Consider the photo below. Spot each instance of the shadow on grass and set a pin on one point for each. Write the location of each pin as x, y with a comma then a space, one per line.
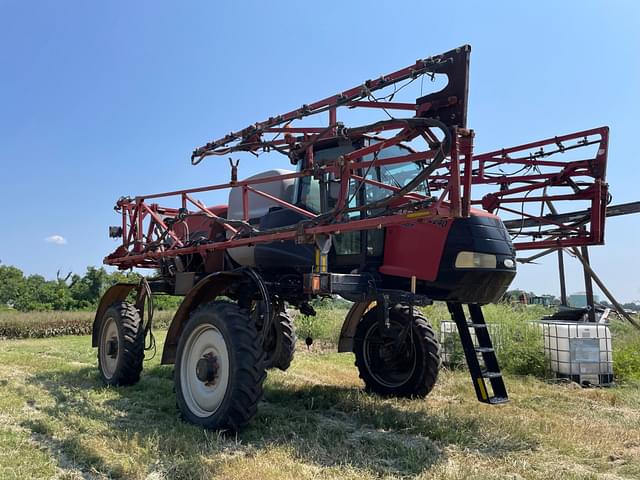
328, 426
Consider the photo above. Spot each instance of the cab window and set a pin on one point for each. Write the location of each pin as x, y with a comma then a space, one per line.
398, 175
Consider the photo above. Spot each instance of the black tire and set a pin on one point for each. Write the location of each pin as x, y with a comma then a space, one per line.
280, 344
121, 345
234, 345
409, 369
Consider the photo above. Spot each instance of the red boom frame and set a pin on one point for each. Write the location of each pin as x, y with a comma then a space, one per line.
546, 178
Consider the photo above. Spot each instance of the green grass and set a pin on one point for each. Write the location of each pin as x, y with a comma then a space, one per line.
58, 421
517, 338
518, 341
324, 327
626, 351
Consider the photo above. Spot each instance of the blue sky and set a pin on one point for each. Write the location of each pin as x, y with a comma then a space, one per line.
103, 99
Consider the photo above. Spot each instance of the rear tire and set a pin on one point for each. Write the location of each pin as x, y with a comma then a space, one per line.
219, 368
280, 344
121, 345
409, 369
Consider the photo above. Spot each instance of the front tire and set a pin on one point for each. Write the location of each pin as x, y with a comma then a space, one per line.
408, 368
219, 368
121, 345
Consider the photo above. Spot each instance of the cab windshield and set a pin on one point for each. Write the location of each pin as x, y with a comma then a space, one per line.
398, 175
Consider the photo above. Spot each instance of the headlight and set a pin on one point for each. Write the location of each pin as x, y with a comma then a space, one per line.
475, 260
509, 263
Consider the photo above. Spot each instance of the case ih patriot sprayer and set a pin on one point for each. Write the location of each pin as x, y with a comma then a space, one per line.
381, 214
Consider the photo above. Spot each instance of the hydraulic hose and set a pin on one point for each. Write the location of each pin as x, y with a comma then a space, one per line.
443, 151
440, 156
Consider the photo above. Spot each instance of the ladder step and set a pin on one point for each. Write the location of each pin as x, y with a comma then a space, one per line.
484, 349
477, 325
498, 400
483, 365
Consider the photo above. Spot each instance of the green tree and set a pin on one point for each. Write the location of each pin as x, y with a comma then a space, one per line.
73, 292
87, 290
35, 295
11, 284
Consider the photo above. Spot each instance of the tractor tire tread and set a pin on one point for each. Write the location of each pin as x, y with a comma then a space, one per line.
132, 333
246, 379
283, 356
425, 377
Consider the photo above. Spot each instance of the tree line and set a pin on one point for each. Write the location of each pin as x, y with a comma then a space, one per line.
68, 292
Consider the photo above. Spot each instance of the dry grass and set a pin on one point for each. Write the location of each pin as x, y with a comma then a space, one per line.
56, 420
14, 324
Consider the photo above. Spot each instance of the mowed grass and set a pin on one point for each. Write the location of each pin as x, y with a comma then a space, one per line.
58, 421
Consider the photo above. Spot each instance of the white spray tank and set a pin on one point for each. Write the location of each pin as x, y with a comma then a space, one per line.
258, 207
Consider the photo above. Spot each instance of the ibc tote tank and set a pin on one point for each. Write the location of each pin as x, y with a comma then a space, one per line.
579, 351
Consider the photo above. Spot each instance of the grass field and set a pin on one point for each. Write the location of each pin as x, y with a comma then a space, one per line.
56, 420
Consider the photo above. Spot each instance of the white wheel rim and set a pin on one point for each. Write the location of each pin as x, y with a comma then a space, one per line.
109, 333
204, 398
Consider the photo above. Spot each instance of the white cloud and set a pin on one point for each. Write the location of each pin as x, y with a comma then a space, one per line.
57, 239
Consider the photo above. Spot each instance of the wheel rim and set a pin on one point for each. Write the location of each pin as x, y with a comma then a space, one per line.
203, 396
109, 347
390, 365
